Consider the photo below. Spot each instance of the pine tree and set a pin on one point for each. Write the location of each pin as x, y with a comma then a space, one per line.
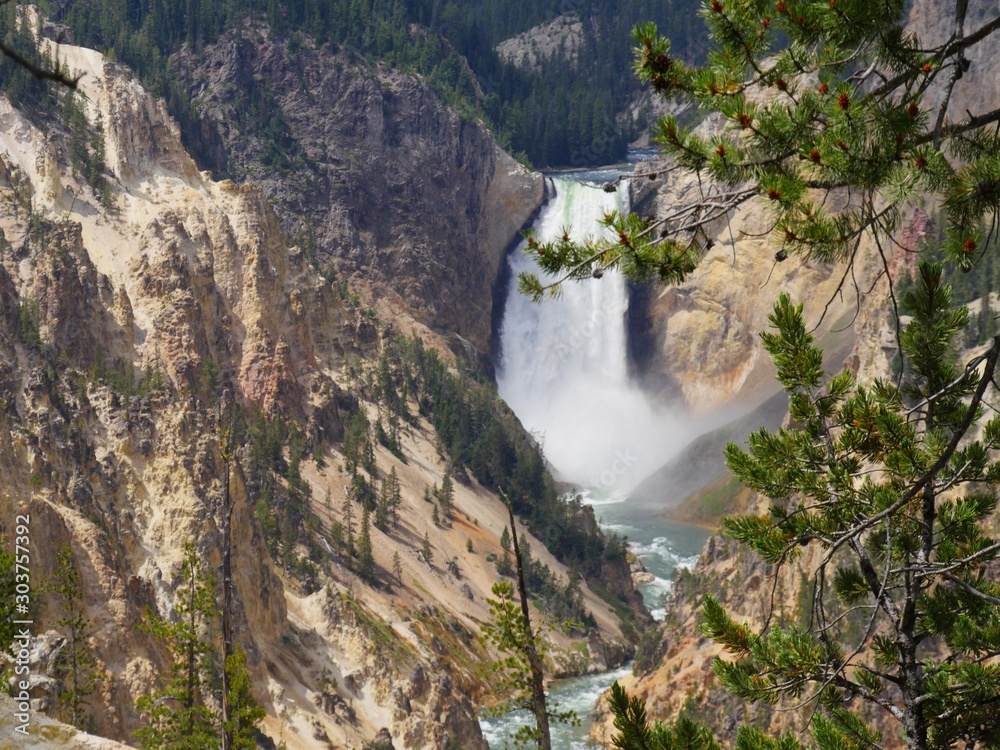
504, 565
383, 505
366, 559
395, 496
446, 497
893, 484
361, 490
368, 458
425, 549
177, 716
397, 567
818, 98
348, 511
355, 440
76, 663
636, 733
522, 649
245, 714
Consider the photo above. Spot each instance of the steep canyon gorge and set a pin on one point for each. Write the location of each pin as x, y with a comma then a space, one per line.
126, 316
297, 284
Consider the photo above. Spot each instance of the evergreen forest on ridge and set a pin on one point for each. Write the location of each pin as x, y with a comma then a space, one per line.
551, 117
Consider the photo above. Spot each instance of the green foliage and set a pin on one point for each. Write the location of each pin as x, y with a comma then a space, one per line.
176, 716
244, 712
553, 115
22, 88
29, 324
366, 559
479, 433
357, 443
817, 99
86, 147
508, 632
282, 496
446, 497
181, 715
648, 652
563, 603
76, 663
397, 567
892, 482
121, 376
636, 733
208, 379
390, 498
348, 511
426, 552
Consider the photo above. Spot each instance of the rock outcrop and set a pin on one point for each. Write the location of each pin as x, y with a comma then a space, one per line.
560, 37
42, 733
413, 203
705, 348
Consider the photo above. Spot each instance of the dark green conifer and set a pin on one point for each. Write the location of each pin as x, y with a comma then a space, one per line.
894, 486
176, 716
245, 713
76, 664
366, 560
425, 549
446, 497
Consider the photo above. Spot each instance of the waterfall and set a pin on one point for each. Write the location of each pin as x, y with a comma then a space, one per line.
563, 365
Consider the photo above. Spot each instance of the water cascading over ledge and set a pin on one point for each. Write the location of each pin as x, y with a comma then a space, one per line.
563, 363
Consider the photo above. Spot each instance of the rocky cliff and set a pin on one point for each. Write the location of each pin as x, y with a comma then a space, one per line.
705, 349
561, 37
125, 314
413, 203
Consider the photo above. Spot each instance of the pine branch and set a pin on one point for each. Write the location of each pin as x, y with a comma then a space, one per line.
960, 431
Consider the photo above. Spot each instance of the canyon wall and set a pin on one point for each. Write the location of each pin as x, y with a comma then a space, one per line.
123, 314
412, 202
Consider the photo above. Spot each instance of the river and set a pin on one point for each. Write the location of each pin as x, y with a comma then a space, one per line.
663, 546
563, 368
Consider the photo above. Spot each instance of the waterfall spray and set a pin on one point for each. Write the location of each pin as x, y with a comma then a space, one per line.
563, 364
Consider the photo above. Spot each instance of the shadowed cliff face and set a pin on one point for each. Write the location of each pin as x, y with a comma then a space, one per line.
399, 191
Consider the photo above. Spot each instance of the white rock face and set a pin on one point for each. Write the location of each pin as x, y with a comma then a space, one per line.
529, 50
39, 732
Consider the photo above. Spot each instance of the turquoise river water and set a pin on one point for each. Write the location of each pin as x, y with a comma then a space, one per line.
663, 546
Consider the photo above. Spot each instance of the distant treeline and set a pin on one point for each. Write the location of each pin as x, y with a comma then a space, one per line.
565, 114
